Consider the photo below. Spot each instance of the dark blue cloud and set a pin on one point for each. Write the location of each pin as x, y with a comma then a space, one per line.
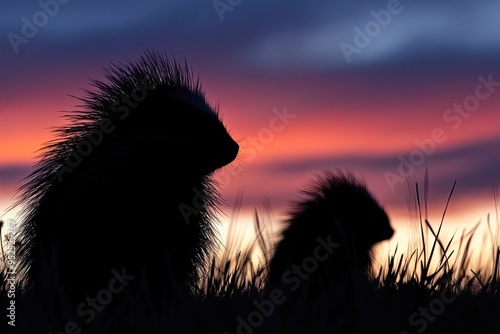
12, 175
262, 40
475, 167
265, 35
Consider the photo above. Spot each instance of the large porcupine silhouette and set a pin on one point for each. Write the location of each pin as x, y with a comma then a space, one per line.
323, 259
136, 161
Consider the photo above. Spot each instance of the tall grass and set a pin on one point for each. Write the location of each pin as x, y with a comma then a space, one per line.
443, 277
431, 261
407, 282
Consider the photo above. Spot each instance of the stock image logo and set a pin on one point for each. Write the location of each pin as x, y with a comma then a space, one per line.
31, 25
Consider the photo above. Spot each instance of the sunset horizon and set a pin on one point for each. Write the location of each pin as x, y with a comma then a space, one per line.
404, 95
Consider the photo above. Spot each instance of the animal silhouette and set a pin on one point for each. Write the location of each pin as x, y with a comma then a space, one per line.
325, 252
134, 162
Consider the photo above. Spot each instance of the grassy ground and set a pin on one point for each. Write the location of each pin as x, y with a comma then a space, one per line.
432, 287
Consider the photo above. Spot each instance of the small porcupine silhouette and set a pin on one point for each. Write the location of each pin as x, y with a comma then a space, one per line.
341, 216
140, 155
323, 259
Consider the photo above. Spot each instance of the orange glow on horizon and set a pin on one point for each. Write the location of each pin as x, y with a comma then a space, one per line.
327, 125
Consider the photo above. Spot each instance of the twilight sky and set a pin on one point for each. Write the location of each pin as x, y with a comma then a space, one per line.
366, 86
